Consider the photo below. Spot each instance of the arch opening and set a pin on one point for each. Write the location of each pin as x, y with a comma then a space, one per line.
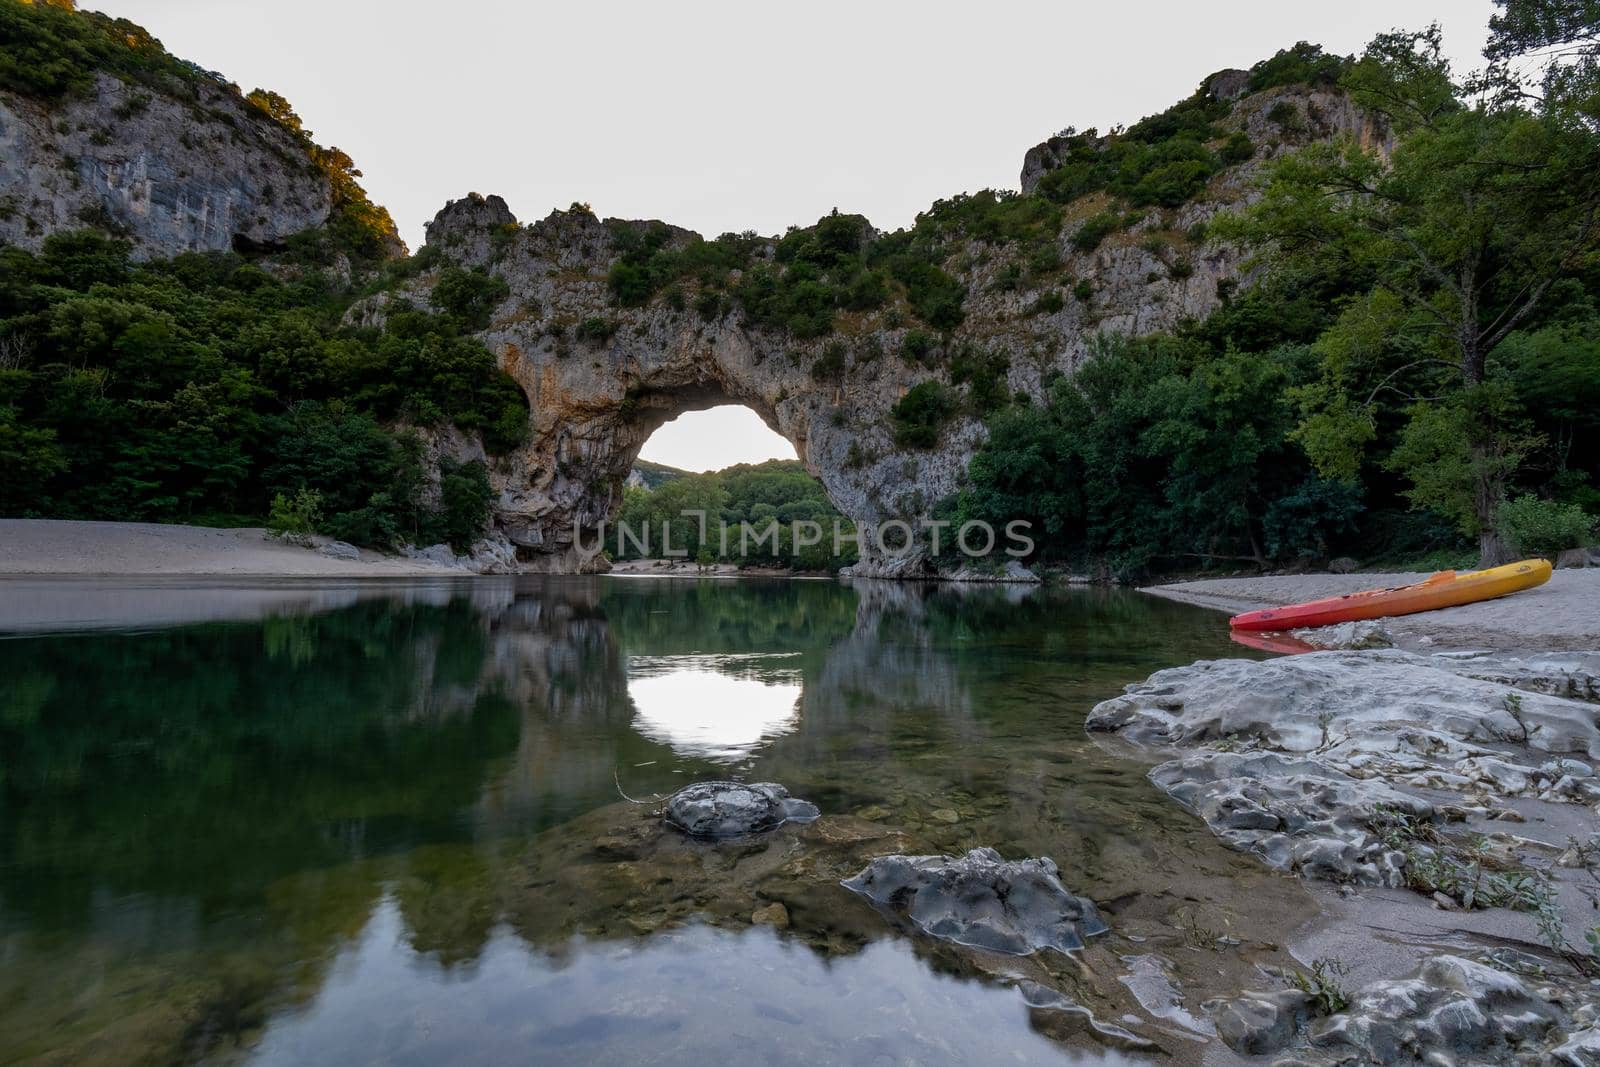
713, 438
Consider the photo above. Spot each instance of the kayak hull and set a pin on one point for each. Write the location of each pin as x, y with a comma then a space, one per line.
1447, 589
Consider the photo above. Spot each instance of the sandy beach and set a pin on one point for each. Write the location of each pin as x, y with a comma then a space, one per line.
144, 549
1561, 615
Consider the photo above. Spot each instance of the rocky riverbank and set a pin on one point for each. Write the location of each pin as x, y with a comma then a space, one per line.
1443, 806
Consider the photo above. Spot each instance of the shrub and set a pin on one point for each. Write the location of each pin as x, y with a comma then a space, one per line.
1544, 527
921, 413
918, 345
830, 365
1048, 303
1304, 64
295, 519
1237, 148
1084, 290
1286, 116
469, 295
1096, 229
595, 330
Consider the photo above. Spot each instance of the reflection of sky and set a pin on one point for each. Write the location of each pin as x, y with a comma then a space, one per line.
720, 708
697, 995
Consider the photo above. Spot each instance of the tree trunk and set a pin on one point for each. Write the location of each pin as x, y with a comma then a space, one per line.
1492, 551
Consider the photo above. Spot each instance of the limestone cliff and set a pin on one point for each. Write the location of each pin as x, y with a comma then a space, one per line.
172, 175
600, 378
101, 128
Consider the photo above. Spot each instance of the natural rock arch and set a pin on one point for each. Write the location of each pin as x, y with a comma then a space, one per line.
600, 378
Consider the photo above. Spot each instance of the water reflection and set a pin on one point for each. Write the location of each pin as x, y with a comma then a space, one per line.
718, 708
382, 824
694, 995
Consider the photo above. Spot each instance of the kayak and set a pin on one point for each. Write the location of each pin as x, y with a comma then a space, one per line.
1446, 589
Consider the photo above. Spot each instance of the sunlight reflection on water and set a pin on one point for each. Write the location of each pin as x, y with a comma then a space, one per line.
719, 708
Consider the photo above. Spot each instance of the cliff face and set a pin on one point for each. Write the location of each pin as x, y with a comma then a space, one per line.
601, 378
204, 171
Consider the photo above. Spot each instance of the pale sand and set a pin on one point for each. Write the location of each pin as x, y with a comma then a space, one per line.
145, 549
1561, 615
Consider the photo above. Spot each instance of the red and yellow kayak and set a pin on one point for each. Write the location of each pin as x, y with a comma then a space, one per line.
1446, 589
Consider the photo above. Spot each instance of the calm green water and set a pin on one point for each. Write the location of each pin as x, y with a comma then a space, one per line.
358, 824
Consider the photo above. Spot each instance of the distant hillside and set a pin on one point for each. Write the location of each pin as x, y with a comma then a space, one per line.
647, 475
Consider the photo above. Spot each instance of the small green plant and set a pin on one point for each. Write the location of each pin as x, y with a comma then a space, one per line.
595, 330
1048, 303
1322, 984
829, 367
1095, 229
1084, 290
918, 346
295, 519
1286, 117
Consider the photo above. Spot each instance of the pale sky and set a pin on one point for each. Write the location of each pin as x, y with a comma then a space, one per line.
725, 115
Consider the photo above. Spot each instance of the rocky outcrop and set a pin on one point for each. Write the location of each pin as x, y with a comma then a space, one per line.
732, 809
1297, 815
1480, 725
600, 378
192, 170
982, 901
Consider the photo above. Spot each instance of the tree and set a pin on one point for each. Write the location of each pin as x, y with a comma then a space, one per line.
1547, 52
1462, 231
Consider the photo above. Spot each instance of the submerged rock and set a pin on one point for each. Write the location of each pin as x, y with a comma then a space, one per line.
1297, 815
982, 901
729, 809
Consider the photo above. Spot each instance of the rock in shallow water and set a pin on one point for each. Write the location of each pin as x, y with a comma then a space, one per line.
729, 809
1296, 814
982, 901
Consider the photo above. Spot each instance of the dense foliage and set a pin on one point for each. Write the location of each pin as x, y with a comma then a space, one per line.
200, 388
1419, 367
776, 492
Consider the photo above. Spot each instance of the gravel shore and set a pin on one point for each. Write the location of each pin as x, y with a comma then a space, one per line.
147, 549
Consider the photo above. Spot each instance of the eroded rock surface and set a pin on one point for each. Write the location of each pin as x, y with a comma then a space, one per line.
1481, 725
197, 171
983, 901
1295, 814
732, 809
1453, 1010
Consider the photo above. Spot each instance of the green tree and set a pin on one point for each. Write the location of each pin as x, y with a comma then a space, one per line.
1462, 232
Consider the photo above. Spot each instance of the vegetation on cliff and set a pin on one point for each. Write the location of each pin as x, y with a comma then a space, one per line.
1427, 334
